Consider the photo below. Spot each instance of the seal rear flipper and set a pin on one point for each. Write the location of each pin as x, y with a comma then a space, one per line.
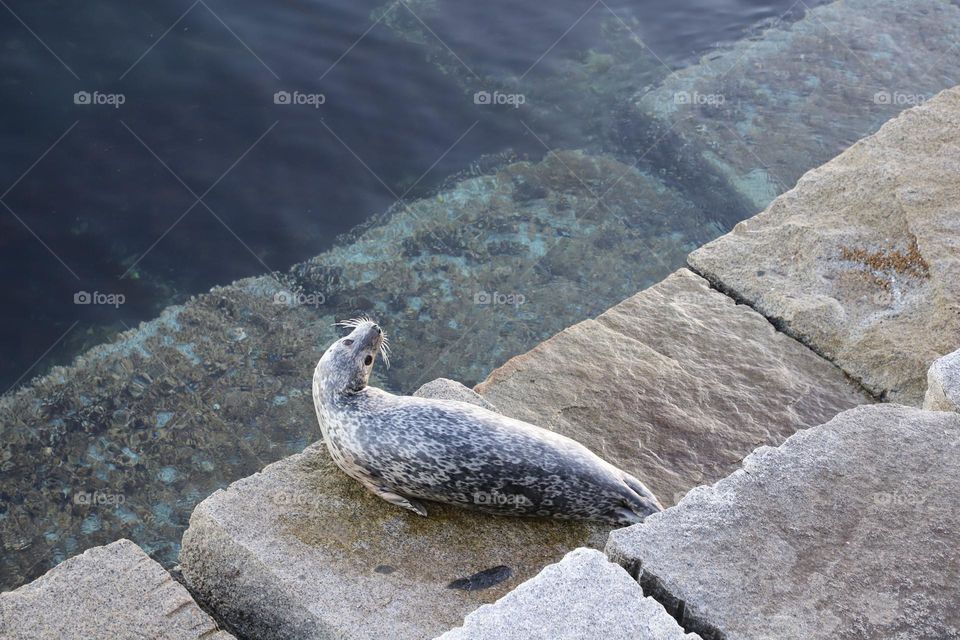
401, 501
638, 497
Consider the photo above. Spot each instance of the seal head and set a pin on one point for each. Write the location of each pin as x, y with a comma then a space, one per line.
346, 365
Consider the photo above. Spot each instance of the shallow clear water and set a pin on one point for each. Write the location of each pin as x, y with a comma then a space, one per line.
105, 199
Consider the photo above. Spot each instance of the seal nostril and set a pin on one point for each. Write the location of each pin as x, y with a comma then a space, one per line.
377, 328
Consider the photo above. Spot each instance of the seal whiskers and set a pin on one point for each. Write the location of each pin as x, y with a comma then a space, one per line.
406, 449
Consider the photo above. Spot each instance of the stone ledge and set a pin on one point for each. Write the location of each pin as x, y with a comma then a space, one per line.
674, 385
847, 530
584, 596
115, 591
859, 261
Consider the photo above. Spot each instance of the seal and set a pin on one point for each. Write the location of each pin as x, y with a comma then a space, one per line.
406, 449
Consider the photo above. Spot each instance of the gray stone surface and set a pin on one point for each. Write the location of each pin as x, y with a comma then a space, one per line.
861, 260
301, 551
582, 597
675, 385
847, 530
943, 384
773, 106
446, 389
114, 592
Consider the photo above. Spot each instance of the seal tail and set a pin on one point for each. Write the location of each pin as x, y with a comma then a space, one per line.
638, 498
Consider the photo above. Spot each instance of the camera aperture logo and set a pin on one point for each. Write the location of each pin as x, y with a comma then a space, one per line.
495, 498
109, 299
96, 498
97, 98
300, 299
497, 298
511, 99
298, 98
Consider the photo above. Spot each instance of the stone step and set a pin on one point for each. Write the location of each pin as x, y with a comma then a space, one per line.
860, 261
300, 550
582, 597
847, 530
674, 385
114, 592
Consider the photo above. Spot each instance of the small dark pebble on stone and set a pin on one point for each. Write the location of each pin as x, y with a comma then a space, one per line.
482, 579
384, 569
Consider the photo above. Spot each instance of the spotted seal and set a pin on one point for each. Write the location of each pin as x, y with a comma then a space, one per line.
406, 449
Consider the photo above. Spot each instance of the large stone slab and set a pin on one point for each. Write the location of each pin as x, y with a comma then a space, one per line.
943, 384
584, 596
675, 385
861, 260
115, 591
847, 530
769, 108
302, 551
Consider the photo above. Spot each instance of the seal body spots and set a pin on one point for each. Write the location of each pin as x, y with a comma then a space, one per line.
406, 449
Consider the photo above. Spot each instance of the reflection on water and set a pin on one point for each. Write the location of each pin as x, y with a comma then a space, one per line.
538, 187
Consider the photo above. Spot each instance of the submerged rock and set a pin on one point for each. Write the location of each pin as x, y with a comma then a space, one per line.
583, 596
769, 108
846, 531
115, 591
859, 261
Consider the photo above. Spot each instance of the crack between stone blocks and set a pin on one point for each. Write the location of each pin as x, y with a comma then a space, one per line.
676, 607
781, 327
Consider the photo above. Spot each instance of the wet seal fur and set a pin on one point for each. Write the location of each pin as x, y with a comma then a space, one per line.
406, 449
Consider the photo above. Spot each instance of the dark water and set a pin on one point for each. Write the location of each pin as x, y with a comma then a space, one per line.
199, 178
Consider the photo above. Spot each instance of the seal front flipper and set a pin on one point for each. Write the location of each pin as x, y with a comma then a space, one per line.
401, 501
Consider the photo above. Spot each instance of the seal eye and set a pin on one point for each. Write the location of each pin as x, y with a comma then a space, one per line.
348, 342
368, 360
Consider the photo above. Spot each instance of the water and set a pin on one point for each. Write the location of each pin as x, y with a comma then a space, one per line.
104, 200
115, 220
